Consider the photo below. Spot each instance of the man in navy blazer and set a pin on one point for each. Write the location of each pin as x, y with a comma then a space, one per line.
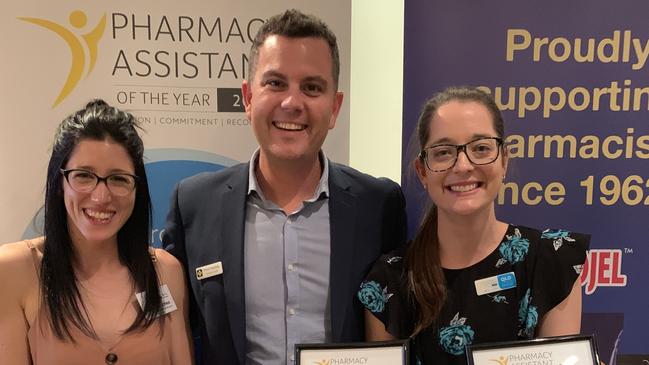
276, 248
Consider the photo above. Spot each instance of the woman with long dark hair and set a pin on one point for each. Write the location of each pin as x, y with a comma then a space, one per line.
468, 277
91, 290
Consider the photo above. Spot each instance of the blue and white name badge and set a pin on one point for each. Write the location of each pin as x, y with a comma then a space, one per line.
495, 283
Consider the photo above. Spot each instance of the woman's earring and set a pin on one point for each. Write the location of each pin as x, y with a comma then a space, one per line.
504, 177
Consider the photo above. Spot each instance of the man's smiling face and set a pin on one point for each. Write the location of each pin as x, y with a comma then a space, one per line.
292, 100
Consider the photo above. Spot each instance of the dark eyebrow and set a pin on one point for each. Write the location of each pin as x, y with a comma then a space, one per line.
111, 172
272, 73
446, 140
440, 141
317, 79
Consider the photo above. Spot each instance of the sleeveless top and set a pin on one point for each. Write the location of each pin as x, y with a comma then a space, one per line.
542, 267
150, 346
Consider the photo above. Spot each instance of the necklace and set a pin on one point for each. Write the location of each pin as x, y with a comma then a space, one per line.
107, 313
111, 358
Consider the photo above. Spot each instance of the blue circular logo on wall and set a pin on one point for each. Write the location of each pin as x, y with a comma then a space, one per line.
164, 169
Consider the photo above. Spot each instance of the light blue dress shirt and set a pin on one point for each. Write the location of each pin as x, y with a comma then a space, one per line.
286, 271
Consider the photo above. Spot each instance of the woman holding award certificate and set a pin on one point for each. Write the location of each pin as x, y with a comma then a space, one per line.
467, 277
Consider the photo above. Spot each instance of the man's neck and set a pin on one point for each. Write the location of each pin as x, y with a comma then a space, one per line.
288, 183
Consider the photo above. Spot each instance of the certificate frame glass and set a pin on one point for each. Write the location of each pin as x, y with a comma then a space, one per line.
383, 352
577, 350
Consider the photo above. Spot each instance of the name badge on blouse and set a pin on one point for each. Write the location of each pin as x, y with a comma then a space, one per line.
210, 270
168, 304
495, 283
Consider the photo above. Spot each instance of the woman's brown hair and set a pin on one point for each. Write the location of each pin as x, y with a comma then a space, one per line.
425, 276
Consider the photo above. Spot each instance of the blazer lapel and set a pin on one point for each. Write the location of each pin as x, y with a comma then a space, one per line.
233, 207
342, 220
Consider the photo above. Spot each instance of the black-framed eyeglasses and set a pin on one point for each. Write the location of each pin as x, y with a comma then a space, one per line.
84, 181
481, 151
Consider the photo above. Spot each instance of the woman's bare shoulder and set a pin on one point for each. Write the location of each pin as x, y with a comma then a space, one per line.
172, 274
167, 259
19, 253
17, 263
168, 263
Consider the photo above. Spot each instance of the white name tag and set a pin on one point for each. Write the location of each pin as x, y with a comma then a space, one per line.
168, 304
210, 270
495, 283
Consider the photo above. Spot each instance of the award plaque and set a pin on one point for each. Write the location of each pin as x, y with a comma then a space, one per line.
565, 350
361, 353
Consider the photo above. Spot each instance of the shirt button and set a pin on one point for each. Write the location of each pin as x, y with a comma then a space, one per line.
291, 311
291, 267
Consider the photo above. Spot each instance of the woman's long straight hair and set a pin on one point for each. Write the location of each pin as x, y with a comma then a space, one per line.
59, 284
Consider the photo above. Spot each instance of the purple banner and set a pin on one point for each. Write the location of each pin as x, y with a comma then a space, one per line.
571, 79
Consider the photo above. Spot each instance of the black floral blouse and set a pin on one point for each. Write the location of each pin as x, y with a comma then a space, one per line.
534, 272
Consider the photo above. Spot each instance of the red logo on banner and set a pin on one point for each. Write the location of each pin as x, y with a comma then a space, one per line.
602, 268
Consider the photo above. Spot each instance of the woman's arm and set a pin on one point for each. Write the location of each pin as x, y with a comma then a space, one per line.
15, 280
565, 318
181, 343
375, 329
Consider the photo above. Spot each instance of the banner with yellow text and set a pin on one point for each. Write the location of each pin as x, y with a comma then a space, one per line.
177, 66
572, 81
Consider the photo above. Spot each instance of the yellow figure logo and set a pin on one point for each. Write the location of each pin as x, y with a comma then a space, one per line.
78, 19
323, 362
501, 360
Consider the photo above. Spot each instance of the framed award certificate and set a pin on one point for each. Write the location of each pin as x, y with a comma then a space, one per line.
361, 353
565, 350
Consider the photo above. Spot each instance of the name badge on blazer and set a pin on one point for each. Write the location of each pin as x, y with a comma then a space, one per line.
210, 270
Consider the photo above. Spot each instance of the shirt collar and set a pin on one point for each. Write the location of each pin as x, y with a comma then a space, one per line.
323, 184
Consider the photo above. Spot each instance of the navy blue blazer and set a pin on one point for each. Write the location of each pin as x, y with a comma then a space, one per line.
206, 224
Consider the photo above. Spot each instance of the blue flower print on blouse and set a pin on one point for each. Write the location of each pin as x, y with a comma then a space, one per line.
558, 236
513, 249
454, 338
528, 316
373, 297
